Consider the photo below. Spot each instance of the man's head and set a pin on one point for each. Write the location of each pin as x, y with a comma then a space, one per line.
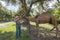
17, 15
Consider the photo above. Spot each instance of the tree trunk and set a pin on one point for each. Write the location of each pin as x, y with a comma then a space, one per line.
24, 7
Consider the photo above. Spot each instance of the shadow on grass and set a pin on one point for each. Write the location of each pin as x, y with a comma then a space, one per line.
7, 35
12, 36
44, 33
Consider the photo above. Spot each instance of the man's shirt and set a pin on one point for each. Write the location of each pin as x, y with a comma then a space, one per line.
17, 19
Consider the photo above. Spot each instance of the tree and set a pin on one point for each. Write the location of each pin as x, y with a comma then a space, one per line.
4, 13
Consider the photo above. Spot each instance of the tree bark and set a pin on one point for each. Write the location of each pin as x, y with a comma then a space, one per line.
24, 7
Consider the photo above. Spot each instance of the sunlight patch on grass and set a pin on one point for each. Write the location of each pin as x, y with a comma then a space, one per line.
48, 26
32, 23
9, 27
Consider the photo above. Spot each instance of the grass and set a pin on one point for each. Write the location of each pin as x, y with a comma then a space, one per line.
8, 33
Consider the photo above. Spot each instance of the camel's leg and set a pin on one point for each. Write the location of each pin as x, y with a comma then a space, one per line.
29, 28
54, 22
55, 25
56, 30
37, 30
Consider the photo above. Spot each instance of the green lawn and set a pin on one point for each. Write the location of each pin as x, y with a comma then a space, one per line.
8, 33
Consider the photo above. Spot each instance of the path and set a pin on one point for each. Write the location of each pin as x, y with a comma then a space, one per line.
6, 23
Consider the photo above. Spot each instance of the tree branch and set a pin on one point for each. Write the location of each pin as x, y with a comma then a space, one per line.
32, 4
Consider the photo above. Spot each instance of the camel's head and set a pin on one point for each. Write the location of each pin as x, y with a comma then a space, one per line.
24, 20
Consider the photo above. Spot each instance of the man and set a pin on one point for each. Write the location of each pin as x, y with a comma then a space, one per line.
18, 26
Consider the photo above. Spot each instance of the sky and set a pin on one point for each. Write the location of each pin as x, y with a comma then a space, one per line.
15, 8
10, 7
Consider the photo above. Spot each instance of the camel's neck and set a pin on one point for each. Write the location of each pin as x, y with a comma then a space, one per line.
29, 19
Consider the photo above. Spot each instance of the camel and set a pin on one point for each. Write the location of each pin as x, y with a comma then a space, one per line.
43, 18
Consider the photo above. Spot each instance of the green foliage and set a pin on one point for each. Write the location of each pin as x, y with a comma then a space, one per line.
4, 13
55, 12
